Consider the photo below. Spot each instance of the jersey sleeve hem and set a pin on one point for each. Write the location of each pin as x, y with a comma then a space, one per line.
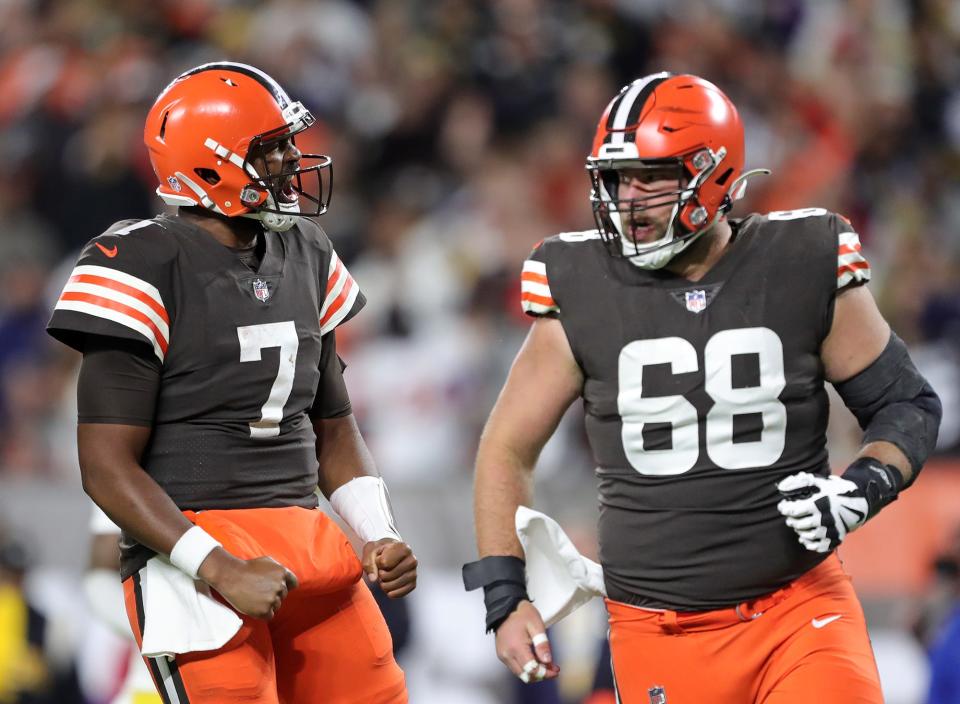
330, 414
343, 298
75, 329
112, 300
536, 297
853, 269
115, 420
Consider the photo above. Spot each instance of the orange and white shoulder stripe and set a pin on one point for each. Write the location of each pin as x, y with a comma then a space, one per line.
535, 296
124, 299
852, 267
342, 292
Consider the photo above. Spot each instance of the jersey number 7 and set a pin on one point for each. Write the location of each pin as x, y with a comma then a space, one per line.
254, 338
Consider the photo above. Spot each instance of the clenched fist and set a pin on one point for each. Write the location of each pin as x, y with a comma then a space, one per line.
392, 564
254, 587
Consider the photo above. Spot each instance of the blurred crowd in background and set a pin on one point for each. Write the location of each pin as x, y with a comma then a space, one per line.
459, 130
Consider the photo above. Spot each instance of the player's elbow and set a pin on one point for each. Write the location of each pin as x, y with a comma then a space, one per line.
894, 402
108, 454
97, 475
91, 479
912, 424
930, 407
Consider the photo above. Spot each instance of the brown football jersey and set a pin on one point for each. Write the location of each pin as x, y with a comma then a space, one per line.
699, 398
239, 352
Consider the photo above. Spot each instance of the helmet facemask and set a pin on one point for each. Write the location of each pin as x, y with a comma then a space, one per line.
614, 215
278, 199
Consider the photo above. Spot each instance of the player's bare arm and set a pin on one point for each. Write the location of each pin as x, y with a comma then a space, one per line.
112, 476
344, 457
543, 382
899, 412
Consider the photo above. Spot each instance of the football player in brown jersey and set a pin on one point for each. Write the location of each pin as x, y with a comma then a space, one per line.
212, 406
700, 345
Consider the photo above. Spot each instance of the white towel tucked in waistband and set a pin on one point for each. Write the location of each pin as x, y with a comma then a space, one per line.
179, 614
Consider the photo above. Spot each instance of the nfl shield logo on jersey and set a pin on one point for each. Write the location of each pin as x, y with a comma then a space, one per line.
261, 290
696, 301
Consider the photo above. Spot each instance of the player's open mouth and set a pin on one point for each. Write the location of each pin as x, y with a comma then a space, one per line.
287, 193
642, 230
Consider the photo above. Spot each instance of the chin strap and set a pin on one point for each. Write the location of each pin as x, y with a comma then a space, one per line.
647, 260
275, 222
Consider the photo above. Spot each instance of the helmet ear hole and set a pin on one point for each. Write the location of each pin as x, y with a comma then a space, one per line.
208, 175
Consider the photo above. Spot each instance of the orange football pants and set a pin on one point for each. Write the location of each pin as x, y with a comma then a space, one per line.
801, 644
327, 643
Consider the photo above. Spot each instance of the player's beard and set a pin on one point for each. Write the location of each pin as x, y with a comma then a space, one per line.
644, 233
657, 257
640, 229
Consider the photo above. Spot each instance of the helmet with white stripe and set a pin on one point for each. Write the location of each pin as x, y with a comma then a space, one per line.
681, 123
206, 127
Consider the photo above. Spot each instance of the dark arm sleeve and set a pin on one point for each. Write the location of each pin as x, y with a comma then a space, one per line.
332, 399
118, 383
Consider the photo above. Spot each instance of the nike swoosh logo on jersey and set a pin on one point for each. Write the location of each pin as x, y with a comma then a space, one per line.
112, 252
821, 622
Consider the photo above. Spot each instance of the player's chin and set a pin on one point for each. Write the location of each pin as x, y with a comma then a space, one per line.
645, 234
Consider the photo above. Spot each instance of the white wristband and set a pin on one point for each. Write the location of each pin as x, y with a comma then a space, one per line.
364, 505
192, 549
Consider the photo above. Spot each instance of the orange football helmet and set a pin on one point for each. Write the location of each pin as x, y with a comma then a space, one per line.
666, 120
203, 132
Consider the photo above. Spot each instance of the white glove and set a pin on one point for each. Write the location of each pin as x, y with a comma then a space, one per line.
822, 510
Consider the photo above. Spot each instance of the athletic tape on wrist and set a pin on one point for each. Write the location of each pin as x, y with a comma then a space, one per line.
192, 549
504, 582
364, 505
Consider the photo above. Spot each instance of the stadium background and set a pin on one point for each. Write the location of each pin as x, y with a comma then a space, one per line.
459, 131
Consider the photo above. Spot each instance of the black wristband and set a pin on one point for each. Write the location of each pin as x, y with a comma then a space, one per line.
879, 482
504, 582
